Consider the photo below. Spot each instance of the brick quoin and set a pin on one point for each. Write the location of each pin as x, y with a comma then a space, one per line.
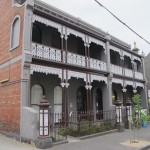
10, 74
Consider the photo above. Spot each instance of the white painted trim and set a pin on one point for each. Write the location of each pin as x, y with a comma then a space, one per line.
47, 22
115, 49
12, 24
98, 78
117, 81
5, 64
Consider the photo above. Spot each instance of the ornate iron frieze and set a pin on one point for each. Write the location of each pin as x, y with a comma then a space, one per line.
76, 75
46, 70
98, 78
117, 81
46, 22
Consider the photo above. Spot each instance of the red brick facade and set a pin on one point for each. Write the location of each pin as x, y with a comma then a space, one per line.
10, 68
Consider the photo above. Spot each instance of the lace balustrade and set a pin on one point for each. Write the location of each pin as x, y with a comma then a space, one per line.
139, 75
116, 69
97, 64
45, 52
74, 59
128, 72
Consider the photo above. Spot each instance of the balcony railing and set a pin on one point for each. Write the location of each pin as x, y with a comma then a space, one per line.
76, 59
49, 53
116, 69
53, 54
139, 75
45, 52
128, 72
98, 65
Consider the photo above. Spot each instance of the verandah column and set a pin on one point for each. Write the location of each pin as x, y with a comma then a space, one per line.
88, 93
108, 105
122, 62
65, 86
86, 45
62, 44
63, 92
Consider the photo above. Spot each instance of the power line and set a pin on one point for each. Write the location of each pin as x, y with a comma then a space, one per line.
122, 22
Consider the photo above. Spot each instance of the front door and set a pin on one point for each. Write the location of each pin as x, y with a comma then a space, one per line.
81, 99
99, 104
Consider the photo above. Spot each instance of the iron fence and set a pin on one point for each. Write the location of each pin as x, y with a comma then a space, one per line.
80, 123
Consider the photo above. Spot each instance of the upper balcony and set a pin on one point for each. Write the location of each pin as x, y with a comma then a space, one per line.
56, 55
125, 64
55, 42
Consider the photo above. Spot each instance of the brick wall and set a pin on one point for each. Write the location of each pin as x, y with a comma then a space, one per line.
10, 73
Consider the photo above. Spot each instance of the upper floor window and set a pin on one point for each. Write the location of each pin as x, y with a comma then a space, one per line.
15, 32
113, 58
36, 34
127, 62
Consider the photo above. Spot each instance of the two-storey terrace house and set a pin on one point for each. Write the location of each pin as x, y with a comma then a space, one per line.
76, 66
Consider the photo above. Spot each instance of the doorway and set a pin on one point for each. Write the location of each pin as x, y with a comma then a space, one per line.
99, 104
81, 99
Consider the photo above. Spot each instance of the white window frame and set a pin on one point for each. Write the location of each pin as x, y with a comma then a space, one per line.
12, 33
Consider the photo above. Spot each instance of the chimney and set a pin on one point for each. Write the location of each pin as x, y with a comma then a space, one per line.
135, 49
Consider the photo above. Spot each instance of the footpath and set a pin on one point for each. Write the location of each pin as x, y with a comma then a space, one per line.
113, 141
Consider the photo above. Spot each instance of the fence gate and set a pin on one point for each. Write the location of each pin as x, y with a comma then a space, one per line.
58, 127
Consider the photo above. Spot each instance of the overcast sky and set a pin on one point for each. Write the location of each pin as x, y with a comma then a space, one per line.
135, 13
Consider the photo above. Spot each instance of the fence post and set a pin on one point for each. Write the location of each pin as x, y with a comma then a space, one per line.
120, 124
44, 140
128, 112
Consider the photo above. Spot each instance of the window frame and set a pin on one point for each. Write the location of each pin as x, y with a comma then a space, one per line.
12, 33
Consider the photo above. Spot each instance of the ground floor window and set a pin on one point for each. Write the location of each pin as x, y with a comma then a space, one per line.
36, 96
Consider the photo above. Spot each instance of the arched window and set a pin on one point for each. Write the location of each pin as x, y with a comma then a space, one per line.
15, 32
115, 94
36, 96
81, 99
36, 34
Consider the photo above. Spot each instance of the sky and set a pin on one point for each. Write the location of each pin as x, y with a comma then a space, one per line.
135, 13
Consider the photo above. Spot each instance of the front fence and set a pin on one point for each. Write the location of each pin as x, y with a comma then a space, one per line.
81, 123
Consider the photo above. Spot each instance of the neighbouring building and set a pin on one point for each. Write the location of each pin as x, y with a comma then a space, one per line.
76, 66
147, 72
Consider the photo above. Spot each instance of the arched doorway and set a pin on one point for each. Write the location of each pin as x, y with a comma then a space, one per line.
81, 99
99, 103
57, 103
36, 95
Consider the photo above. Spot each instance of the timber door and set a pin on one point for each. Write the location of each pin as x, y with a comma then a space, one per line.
99, 104
81, 99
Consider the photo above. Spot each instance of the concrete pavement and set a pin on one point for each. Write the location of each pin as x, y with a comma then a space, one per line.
114, 141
